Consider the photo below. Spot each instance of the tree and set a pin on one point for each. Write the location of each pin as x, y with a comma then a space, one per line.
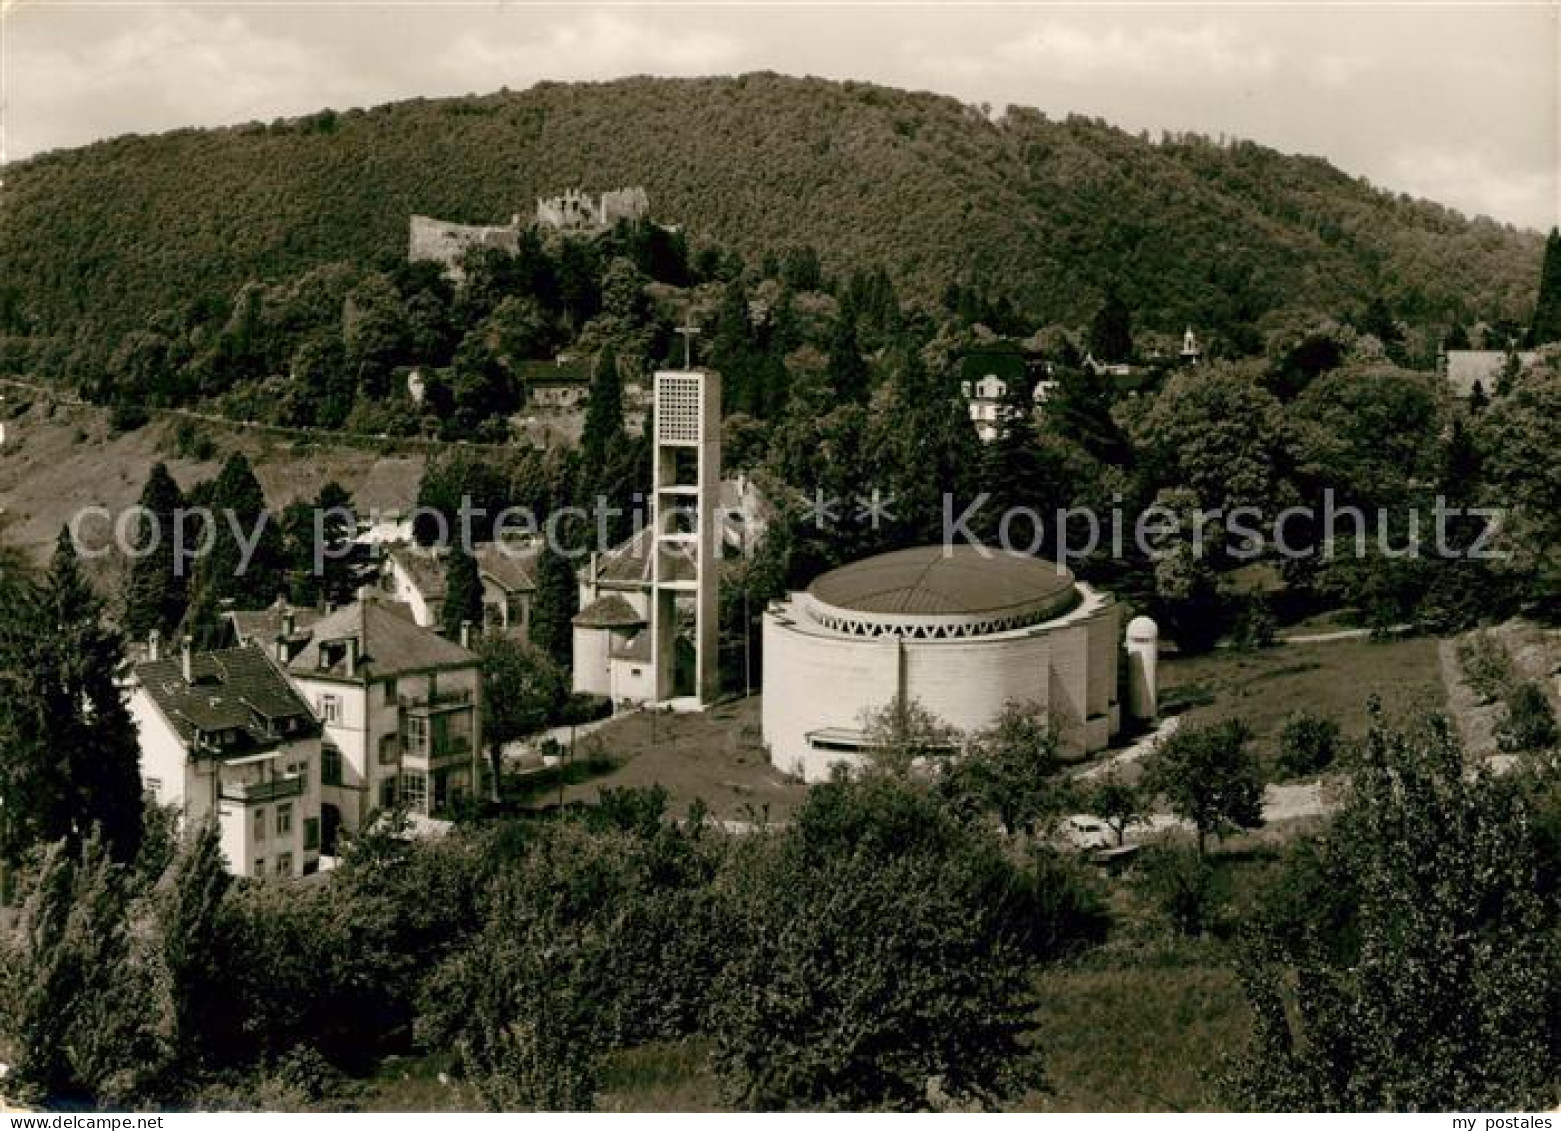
157, 590
603, 413
848, 373
336, 581
1545, 325
252, 571
1111, 330
187, 909
69, 757
521, 689
875, 952
462, 593
1115, 800
1208, 777
1518, 435
1406, 962
1008, 769
553, 605
904, 737
81, 1014
1218, 432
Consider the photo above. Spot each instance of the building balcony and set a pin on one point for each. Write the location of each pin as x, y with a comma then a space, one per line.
256, 793
457, 748
438, 702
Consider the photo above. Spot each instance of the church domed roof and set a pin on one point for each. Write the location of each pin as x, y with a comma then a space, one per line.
965, 582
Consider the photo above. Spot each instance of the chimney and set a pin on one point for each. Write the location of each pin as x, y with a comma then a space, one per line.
352, 657
187, 658
280, 645
466, 634
289, 622
154, 645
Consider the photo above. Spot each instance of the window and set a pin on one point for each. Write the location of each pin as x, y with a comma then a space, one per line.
330, 708
390, 692
259, 868
311, 834
260, 825
330, 765
388, 752
154, 786
387, 793
414, 736
284, 819
414, 789
284, 864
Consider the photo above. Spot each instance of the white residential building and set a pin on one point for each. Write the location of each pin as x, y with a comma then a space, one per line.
400, 707
224, 737
415, 576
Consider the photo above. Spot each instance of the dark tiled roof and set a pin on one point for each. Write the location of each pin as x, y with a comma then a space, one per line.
627, 563
423, 567
611, 611
234, 689
509, 566
388, 644
512, 567
262, 626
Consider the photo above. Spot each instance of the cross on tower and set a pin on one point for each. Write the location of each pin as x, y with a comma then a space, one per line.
688, 331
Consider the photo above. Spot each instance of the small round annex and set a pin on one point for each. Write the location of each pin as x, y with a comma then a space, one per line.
963, 630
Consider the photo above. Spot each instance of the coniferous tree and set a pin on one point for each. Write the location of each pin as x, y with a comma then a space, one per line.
238, 506
553, 605
1545, 326
69, 758
157, 591
82, 1017
462, 594
603, 414
187, 911
848, 373
1111, 331
322, 572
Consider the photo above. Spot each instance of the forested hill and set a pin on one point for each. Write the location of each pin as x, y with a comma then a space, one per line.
1045, 211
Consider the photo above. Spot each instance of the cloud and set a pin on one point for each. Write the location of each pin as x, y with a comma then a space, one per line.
153, 68
1480, 180
1075, 52
595, 45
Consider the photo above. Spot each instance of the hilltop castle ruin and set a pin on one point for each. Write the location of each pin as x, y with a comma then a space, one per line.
574, 211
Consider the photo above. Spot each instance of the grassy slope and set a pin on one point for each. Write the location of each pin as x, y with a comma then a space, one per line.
1049, 211
1334, 679
54, 463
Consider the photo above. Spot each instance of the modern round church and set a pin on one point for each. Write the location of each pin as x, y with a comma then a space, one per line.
962, 630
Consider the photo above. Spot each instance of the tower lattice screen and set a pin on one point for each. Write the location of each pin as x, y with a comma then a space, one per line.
677, 410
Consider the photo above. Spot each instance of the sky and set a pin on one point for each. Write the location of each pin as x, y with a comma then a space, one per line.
1460, 103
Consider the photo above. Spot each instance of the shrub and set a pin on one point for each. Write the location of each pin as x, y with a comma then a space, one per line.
1180, 884
1308, 744
1487, 667
189, 442
1255, 625
127, 418
582, 707
1530, 724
